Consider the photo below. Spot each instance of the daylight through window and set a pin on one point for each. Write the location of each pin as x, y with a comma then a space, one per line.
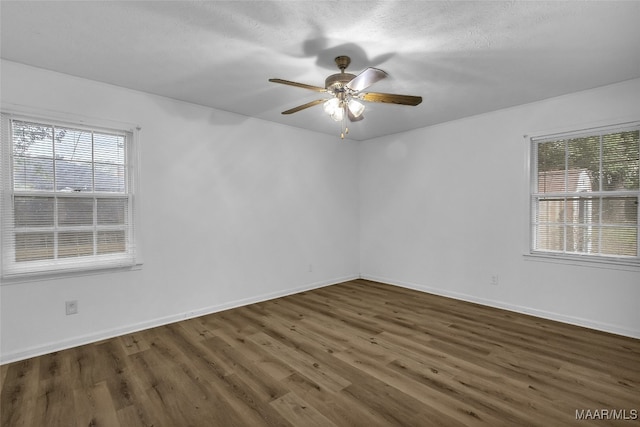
585, 191
69, 202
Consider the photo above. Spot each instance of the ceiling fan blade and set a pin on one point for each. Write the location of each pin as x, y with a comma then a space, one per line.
296, 84
303, 106
366, 79
391, 98
353, 118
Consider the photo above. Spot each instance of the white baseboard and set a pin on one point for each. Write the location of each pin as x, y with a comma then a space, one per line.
110, 333
572, 320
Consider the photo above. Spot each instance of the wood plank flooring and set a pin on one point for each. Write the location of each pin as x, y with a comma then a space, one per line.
355, 354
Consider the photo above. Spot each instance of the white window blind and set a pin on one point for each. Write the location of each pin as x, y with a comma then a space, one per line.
67, 202
585, 192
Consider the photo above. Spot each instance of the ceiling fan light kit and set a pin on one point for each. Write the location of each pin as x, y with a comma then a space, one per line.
346, 91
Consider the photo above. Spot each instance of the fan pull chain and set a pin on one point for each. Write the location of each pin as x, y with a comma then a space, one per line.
345, 129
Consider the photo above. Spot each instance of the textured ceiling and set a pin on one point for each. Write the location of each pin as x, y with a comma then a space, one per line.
463, 58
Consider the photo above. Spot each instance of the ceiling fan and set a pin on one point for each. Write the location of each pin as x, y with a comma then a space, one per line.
346, 93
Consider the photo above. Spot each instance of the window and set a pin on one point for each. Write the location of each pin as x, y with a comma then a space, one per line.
68, 199
584, 197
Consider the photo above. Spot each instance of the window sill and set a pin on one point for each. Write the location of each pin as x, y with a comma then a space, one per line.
582, 261
41, 276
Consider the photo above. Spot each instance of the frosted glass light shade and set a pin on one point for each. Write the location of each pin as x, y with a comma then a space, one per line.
331, 106
338, 114
356, 108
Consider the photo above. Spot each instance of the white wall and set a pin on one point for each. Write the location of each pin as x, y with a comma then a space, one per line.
444, 208
234, 210
439, 209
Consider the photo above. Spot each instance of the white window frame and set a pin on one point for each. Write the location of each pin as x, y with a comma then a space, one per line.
13, 271
599, 260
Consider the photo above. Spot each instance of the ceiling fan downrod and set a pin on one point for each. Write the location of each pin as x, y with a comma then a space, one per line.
342, 62
336, 83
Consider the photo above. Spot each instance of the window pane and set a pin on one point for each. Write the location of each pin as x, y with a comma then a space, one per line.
583, 163
111, 242
550, 210
73, 176
620, 241
580, 210
68, 195
109, 148
583, 239
75, 244
75, 145
75, 211
550, 237
32, 174
32, 139
110, 178
34, 246
33, 211
620, 161
620, 210
112, 211
551, 166
581, 170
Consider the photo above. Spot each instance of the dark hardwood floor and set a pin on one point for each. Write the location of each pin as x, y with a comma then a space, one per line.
355, 354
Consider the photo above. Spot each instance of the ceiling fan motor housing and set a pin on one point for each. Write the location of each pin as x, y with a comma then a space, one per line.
336, 82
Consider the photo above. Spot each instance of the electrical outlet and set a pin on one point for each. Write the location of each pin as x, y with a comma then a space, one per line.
494, 280
71, 307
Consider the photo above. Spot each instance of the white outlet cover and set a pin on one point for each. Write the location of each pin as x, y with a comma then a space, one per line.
71, 307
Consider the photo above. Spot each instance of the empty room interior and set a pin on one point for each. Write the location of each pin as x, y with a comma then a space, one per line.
335, 213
